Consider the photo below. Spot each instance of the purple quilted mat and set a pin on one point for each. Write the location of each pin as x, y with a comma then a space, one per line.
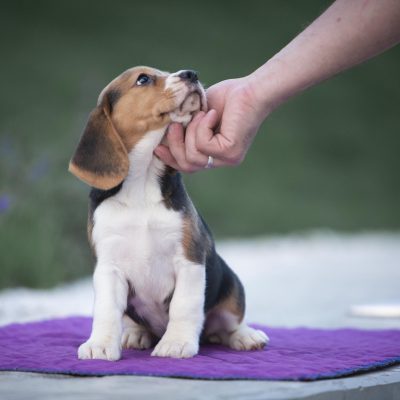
293, 354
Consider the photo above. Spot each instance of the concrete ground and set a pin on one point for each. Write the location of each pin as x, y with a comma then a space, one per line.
317, 280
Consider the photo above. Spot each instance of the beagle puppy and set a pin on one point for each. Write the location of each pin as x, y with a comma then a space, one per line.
158, 279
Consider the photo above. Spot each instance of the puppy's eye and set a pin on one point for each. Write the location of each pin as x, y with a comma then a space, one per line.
143, 79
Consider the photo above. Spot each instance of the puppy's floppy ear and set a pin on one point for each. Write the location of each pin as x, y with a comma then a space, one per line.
101, 159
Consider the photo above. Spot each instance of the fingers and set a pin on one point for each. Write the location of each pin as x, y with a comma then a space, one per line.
213, 144
178, 148
182, 152
228, 145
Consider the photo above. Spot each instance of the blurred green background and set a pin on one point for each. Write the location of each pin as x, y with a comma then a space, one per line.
327, 159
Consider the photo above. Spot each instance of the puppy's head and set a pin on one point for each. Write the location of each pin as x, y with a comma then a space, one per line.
137, 102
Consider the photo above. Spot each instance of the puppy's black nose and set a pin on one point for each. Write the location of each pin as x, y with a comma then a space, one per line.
189, 75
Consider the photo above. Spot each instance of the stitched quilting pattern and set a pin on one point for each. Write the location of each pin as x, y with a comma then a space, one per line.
292, 354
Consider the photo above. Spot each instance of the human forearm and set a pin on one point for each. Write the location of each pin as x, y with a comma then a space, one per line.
346, 34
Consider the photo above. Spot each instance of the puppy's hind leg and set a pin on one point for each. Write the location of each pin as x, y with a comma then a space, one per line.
135, 336
246, 338
225, 325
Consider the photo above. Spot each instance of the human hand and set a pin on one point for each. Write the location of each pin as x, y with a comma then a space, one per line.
225, 132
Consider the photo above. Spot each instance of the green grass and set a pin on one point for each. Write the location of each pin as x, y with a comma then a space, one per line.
329, 158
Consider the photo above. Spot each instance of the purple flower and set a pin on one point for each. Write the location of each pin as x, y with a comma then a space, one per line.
5, 203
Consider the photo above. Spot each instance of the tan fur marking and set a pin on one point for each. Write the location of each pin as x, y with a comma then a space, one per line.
196, 244
187, 239
230, 304
95, 180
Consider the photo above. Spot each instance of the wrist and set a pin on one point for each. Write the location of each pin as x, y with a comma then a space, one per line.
271, 85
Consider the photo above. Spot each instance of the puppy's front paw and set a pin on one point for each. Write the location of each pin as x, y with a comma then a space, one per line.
102, 350
136, 338
246, 338
176, 348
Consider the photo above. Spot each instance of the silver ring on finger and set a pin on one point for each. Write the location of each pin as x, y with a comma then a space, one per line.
210, 163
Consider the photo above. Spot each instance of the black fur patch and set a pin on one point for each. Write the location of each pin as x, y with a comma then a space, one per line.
173, 191
97, 196
219, 280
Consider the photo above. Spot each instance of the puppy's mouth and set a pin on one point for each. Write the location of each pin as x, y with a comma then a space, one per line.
191, 104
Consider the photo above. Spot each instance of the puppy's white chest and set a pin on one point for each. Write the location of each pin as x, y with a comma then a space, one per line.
136, 238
